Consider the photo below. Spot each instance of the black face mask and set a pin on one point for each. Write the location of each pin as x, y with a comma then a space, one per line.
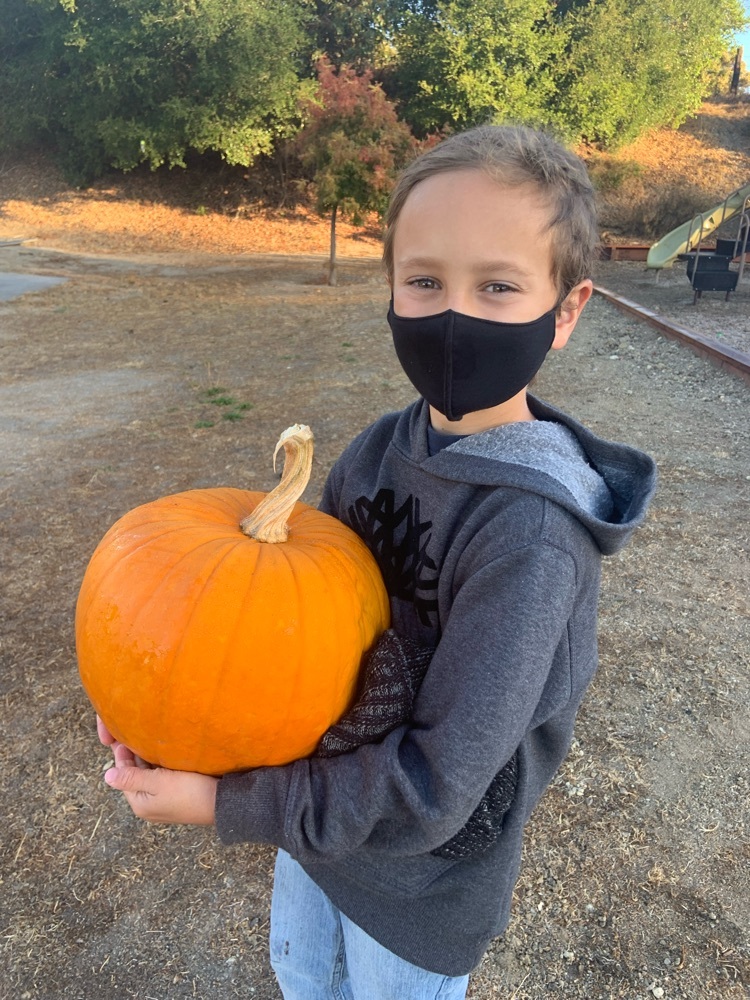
461, 364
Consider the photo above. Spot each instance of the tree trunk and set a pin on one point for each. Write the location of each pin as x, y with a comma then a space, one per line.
332, 259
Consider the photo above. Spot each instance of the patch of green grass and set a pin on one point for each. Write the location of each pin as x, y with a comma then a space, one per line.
214, 393
217, 395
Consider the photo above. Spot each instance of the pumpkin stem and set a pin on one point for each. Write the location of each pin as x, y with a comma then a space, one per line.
268, 522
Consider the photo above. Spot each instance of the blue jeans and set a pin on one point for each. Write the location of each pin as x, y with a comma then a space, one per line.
319, 954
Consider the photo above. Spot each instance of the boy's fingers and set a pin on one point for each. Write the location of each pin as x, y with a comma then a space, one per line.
163, 796
131, 779
124, 756
104, 734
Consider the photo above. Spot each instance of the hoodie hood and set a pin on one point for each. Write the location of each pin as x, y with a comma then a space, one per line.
606, 485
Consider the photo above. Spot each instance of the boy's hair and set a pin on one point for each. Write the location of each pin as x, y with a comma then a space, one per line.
515, 155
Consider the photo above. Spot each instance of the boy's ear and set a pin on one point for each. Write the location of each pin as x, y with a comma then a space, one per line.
569, 311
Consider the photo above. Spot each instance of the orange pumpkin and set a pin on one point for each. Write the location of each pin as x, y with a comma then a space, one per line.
222, 629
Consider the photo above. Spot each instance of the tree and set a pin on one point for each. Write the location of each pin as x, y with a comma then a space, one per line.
119, 82
358, 33
353, 143
347, 32
600, 70
460, 63
123, 82
631, 65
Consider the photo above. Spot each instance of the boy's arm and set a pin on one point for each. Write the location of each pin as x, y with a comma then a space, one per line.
412, 792
391, 675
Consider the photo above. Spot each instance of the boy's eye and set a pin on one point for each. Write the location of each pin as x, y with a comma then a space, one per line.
498, 286
423, 283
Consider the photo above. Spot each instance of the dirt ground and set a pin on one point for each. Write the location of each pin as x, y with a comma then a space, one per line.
636, 876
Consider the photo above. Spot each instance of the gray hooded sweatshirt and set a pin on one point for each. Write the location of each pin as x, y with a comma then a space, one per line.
490, 550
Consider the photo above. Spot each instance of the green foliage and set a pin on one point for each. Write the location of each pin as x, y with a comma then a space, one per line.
124, 82
719, 77
120, 82
353, 142
463, 62
232, 409
347, 32
608, 175
598, 70
631, 65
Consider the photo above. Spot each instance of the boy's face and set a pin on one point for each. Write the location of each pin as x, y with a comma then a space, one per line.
467, 243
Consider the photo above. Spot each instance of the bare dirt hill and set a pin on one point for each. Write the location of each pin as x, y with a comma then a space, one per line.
219, 212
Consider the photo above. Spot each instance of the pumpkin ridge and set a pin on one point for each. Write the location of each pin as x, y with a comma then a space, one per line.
324, 552
279, 553
114, 564
345, 562
176, 651
299, 591
146, 605
251, 585
355, 626
117, 564
215, 507
225, 501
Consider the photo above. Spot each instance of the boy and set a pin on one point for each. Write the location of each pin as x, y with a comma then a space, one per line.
488, 512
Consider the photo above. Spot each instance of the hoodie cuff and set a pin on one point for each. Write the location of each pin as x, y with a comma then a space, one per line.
250, 807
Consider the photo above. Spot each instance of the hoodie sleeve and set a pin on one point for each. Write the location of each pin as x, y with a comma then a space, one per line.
488, 682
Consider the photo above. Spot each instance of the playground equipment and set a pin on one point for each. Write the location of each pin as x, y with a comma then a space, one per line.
708, 270
684, 238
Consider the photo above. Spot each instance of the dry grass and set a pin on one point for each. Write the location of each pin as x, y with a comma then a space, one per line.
645, 189
164, 212
654, 184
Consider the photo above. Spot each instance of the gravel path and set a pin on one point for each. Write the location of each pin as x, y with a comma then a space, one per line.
668, 292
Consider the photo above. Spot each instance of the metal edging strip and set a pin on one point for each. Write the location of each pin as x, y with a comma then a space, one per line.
726, 356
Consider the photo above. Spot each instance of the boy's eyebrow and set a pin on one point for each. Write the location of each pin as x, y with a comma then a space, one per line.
482, 266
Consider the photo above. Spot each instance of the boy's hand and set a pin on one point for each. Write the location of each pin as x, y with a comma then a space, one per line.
157, 794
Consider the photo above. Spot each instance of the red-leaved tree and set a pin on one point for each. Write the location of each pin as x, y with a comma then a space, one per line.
354, 145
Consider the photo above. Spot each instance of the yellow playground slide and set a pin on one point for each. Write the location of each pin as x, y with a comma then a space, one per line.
686, 236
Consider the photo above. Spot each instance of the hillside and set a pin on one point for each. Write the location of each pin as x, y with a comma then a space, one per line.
666, 176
